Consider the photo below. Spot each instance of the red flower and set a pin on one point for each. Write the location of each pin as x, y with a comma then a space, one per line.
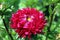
28, 21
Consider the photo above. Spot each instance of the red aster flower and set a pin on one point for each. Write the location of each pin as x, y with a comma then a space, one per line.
28, 21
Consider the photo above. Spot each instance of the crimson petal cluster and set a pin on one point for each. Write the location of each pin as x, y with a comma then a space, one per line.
28, 21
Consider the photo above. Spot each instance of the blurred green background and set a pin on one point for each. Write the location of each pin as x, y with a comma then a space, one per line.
51, 8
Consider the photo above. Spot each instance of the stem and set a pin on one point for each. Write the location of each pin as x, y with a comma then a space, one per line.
50, 23
26, 38
7, 29
5, 25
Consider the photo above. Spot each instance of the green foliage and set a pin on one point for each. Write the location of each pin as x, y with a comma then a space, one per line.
49, 7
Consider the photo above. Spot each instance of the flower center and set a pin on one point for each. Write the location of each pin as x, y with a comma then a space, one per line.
28, 19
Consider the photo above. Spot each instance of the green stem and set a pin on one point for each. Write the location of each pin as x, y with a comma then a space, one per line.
5, 25
50, 24
7, 29
34, 37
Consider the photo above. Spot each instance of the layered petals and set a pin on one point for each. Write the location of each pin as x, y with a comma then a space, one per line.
28, 21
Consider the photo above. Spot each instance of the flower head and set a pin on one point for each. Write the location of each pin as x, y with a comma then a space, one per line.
28, 21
